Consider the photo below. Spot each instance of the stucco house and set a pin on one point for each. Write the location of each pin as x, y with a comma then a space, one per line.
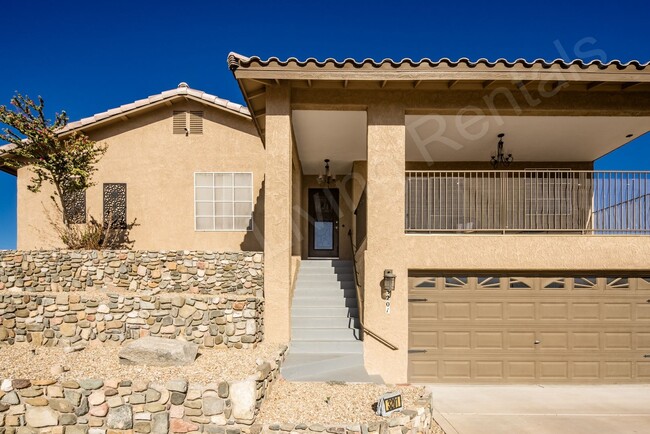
450, 211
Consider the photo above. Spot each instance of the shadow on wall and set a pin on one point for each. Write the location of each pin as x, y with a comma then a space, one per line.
254, 240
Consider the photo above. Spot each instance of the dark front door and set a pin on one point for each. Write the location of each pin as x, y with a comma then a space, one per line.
324, 222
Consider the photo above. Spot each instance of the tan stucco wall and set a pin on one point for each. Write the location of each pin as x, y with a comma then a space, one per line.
278, 213
158, 168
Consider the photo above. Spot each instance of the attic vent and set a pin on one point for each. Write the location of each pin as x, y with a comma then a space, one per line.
179, 122
183, 125
196, 122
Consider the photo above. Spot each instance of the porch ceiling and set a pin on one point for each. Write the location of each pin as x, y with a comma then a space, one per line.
337, 135
528, 138
341, 136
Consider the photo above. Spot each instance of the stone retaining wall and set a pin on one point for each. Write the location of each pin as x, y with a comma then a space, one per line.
415, 420
148, 272
72, 319
93, 406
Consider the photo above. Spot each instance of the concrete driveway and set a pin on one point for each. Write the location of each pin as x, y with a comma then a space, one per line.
542, 409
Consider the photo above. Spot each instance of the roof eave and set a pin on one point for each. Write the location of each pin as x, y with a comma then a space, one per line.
91, 124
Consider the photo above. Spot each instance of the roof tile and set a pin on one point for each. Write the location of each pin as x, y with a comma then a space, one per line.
236, 60
153, 99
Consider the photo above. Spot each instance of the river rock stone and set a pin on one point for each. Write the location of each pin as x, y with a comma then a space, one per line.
212, 405
91, 383
120, 417
41, 417
61, 405
10, 398
156, 351
160, 423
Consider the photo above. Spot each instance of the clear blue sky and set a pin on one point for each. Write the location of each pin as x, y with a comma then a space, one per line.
89, 56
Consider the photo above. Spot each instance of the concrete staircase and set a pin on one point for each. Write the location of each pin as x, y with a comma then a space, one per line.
325, 343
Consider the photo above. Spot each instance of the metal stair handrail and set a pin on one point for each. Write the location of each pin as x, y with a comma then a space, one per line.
363, 329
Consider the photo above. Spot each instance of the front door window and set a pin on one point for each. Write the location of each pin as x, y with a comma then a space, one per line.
323, 222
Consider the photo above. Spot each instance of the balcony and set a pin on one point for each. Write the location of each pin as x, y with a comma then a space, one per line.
528, 201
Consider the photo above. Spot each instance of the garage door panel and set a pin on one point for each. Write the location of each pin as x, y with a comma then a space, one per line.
553, 340
617, 341
618, 370
643, 341
456, 340
524, 340
488, 310
423, 311
586, 370
489, 340
423, 370
643, 311
585, 311
489, 369
455, 310
530, 329
617, 312
555, 311
553, 370
423, 339
586, 341
643, 370
456, 369
521, 370
520, 311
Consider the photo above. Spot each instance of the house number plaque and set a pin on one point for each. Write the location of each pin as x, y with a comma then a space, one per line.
388, 403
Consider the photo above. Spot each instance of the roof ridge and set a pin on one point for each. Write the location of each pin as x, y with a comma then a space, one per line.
156, 99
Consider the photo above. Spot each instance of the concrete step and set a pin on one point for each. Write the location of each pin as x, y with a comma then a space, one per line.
324, 301
321, 292
320, 278
300, 364
325, 285
322, 334
326, 347
326, 270
352, 374
327, 367
325, 322
325, 263
330, 312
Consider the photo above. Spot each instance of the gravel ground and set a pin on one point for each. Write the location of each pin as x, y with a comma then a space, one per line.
100, 360
327, 404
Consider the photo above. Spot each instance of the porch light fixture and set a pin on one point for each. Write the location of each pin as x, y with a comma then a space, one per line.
500, 159
327, 177
388, 284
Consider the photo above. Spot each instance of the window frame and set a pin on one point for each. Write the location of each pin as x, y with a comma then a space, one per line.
233, 202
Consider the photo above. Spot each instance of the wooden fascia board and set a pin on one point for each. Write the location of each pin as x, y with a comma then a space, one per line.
264, 74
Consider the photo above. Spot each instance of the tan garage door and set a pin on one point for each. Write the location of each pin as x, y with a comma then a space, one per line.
528, 329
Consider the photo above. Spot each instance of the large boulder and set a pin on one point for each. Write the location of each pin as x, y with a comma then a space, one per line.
243, 398
158, 352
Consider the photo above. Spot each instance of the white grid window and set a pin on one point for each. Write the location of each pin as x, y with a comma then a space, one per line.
223, 201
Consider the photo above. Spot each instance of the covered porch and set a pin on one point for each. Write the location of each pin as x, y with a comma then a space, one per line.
411, 147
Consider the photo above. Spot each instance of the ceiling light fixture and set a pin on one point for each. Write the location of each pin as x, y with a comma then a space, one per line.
327, 177
500, 159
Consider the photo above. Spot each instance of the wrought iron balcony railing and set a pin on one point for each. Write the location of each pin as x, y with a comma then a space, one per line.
528, 201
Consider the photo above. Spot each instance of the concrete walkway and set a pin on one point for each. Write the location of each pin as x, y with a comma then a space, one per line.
542, 409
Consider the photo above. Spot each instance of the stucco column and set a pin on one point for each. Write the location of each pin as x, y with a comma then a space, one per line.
385, 249
277, 215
